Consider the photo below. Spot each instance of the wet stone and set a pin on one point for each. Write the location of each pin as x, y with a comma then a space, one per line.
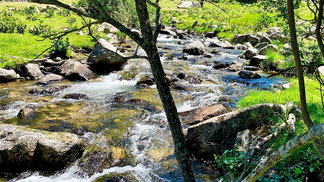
76, 96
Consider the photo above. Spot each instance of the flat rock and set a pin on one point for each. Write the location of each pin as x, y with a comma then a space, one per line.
24, 149
219, 133
50, 78
201, 114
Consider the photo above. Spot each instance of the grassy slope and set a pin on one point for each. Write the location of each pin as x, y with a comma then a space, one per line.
26, 45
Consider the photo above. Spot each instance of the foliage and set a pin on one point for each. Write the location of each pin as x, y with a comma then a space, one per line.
40, 29
62, 48
7, 62
10, 24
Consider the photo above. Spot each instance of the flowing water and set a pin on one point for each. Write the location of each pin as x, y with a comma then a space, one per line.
140, 130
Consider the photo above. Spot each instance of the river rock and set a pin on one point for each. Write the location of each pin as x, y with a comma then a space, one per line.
240, 39
217, 43
118, 177
136, 31
105, 58
201, 114
188, 4
75, 96
32, 71
193, 80
24, 149
261, 45
210, 34
219, 133
74, 70
27, 113
241, 47
248, 75
254, 40
145, 81
256, 60
263, 38
250, 53
7, 75
251, 68
168, 31
195, 48
274, 32
268, 48
47, 91
235, 67
220, 65
50, 78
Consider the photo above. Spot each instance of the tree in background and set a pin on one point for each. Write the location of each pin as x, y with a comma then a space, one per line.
108, 11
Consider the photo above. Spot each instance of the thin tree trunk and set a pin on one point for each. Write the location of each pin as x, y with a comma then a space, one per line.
299, 69
149, 45
318, 144
319, 25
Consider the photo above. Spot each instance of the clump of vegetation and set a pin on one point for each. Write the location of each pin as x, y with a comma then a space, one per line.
10, 24
62, 48
8, 62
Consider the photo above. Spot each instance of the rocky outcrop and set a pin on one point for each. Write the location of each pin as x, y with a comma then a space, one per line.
74, 70
219, 133
248, 75
188, 4
105, 58
7, 75
201, 114
32, 71
50, 78
24, 149
195, 48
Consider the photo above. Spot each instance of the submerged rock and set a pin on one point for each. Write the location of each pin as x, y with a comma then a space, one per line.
201, 114
24, 149
75, 96
248, 75
219, 133
74, 70
7, 75
47, 91
27, 113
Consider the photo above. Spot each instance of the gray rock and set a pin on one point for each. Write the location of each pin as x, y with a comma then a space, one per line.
105, 58
195, 48
32, 71
241, 47
240, 39
274, 32
254, 40
321, 70
268, 48
74, 70
75, 96
219, 133
198, 115
24, 149
27, 113
47, 91
250, 53
251, 68
256, 60
188, 4
7, 75
235, 67
264, 38
168, 31
248, 75
50, 78
261, 45
217, 43
145, 81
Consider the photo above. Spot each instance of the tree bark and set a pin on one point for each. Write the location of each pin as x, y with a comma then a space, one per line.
318, 144
314, 133
299, 69
319, 25
149, 45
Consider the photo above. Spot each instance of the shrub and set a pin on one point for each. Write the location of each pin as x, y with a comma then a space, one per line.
40, 29
62, 49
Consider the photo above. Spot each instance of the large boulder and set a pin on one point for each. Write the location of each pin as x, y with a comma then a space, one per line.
198, 115
33, 72
7, 75
219, 133
195, 48
188, 4
268, 48
105, 58
24, 149
240, 39
74, 70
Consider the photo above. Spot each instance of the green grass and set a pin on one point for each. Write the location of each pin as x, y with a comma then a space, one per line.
312, 93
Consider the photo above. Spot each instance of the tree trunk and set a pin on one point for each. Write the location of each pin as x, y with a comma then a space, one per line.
319, 25
299, 69
318, 144
315, 132
149, 45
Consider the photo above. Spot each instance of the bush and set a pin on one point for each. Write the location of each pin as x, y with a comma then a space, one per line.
9, 24
40, 29
62, 49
